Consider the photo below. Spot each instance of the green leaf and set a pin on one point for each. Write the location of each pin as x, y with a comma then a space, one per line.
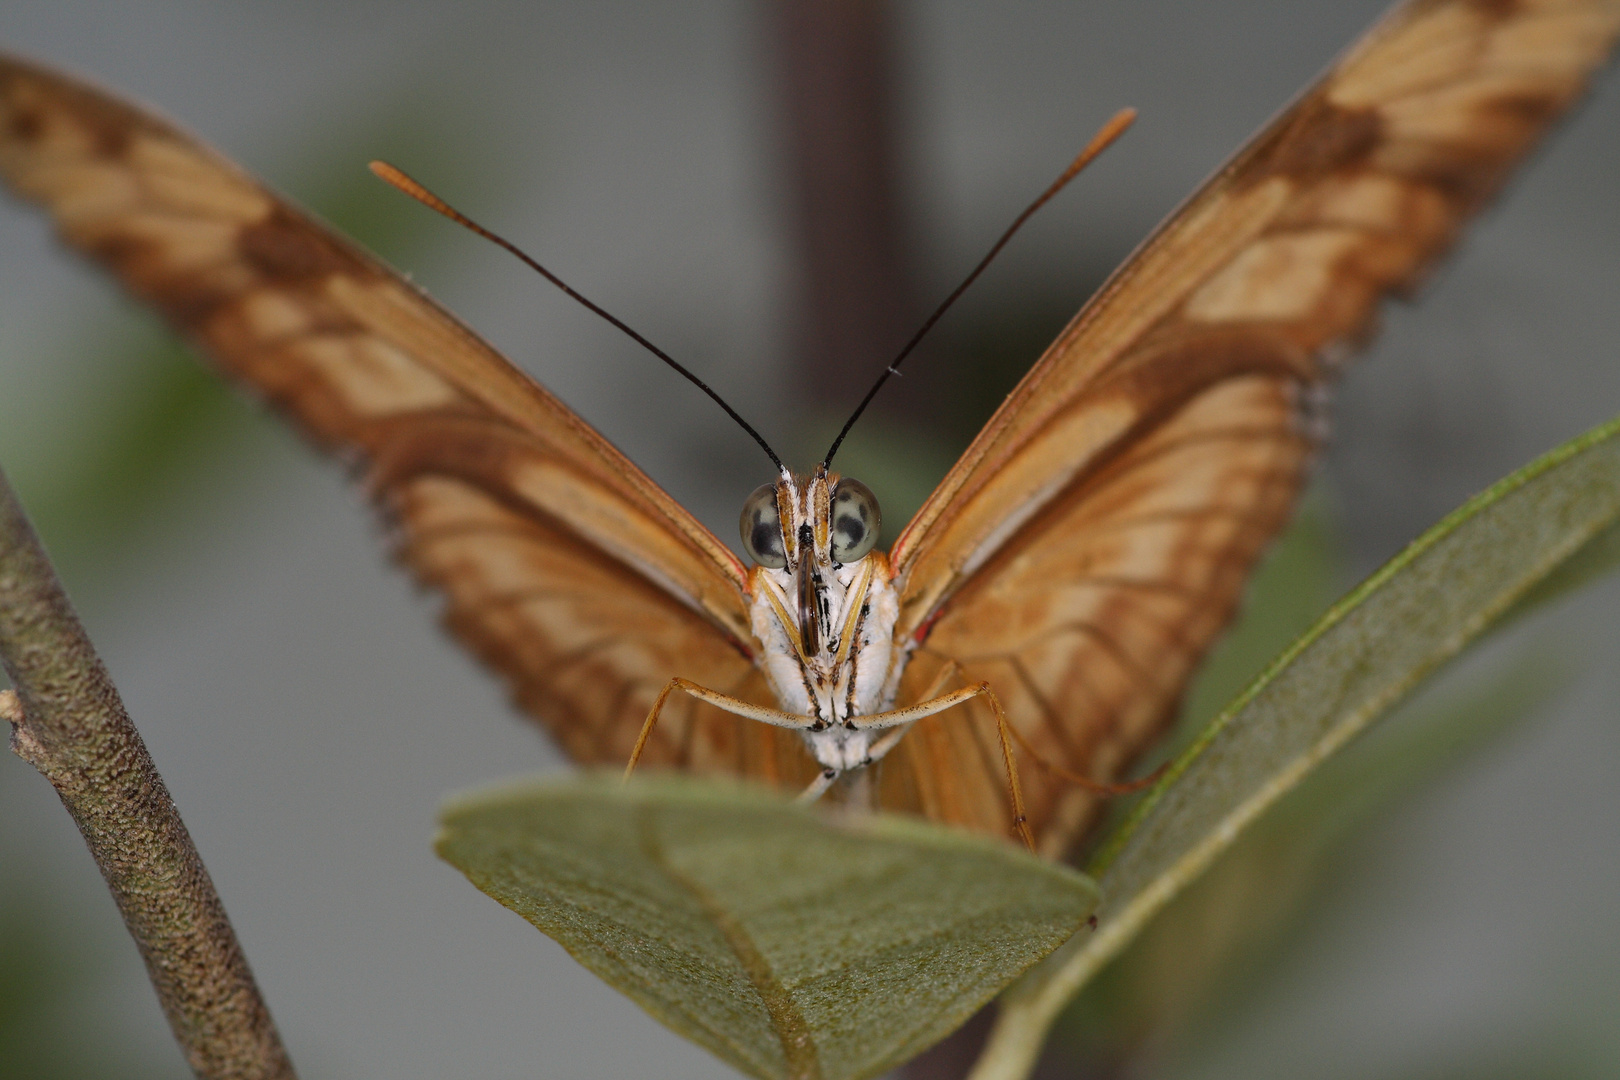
1483, 562
1199, 962
791, 941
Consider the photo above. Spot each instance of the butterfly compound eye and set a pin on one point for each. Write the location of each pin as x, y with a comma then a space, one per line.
856, 520
762, 528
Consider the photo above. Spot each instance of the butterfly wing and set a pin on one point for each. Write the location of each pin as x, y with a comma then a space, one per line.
562, 563
1095, 537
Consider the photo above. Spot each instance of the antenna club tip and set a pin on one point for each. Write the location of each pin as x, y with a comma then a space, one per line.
1119, 123
397, 178
1115, 126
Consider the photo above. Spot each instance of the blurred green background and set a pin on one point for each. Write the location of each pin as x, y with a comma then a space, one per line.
307, 714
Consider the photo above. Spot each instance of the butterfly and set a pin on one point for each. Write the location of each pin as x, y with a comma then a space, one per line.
1078, 559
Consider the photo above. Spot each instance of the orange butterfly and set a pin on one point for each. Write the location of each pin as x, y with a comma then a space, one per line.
1078, 559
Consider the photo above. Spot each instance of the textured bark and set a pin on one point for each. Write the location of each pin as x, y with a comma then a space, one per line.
68, 722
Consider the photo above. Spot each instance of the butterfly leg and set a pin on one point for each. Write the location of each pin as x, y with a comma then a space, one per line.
953, 669
828, 776
881, 748
1096, 787
818, 787
898, 728
888, 742
902, 719
735, 706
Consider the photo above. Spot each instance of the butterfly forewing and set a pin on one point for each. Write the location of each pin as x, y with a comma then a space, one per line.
1095, 537
562, 563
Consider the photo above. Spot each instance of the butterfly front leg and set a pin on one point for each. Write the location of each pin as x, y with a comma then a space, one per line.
896, 730
900, 720
735, 706
875, 753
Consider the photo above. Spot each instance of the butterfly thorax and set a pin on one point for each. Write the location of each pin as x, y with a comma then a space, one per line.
825, 629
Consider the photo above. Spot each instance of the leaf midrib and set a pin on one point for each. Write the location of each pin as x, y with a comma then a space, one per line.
798, 1047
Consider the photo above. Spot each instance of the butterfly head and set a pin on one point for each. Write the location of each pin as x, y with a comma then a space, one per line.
807, 531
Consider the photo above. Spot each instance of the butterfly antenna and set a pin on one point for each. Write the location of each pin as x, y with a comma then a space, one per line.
1099, 142
390, 175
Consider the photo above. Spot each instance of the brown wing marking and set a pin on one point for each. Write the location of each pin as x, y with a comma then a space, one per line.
563, 564
589, 645
1040, 562
1101, 607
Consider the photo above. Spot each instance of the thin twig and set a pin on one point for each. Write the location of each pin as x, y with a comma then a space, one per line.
68, 722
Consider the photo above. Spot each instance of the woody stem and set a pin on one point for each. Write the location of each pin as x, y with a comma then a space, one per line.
69, 723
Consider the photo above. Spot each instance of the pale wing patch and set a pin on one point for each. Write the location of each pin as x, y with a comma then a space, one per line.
1472, 115
175, 243
392, 311
1144, 292
176, 178
575, 499
1280, 277
1374, 202
270, 315
612, 525
1143, 525
373, 377
439, 504
1431, 50
77, 193
1555, 43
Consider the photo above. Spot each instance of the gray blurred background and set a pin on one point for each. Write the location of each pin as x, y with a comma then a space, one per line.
308, 715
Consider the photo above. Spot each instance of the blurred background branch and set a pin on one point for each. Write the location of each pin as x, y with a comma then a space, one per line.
837, 68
